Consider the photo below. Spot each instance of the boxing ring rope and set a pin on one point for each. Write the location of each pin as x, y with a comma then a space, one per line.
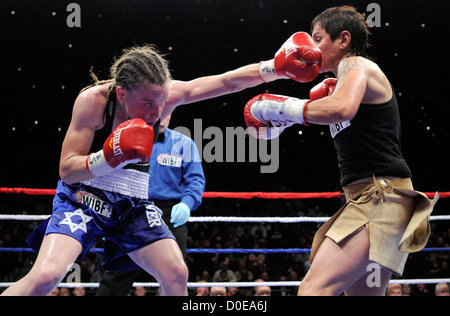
236, 284
221, 251
224, 219
229, 195
221, 219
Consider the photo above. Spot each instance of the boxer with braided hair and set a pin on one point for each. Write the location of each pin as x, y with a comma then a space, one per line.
139, 64
103, 191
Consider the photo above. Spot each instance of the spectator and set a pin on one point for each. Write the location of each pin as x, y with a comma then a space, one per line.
218, 291
406, 290
55, 292
202, 291
203, 277
243, 275
79, 291
265, 276
224, 274
232, 291
262, 290
260, 269
256, 259
219, 257
442, 290
64, 292
394, 290
293, 276
140, 291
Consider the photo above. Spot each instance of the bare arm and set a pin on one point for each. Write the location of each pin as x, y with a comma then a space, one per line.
211, 87
347, 97
87, 115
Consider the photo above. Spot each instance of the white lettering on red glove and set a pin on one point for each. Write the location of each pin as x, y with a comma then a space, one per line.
298, 59
131, 142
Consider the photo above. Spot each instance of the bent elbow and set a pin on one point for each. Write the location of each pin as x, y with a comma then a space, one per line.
64, 175
344, 117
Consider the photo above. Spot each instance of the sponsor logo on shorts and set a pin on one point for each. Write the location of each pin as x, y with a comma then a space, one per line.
153, 216
97, 205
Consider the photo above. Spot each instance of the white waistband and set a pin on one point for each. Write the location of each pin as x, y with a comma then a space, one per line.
127, 182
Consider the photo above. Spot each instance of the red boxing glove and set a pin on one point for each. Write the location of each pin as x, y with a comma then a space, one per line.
130, 142
298, 59
323, 89
267, 115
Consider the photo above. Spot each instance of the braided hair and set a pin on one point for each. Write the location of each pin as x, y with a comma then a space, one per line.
136, 65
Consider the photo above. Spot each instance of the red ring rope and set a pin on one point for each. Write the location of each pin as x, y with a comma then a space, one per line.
226, 195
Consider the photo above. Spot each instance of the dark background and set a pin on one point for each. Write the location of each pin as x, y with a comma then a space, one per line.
45, 64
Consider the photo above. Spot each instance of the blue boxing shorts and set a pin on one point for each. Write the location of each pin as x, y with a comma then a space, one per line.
88, 214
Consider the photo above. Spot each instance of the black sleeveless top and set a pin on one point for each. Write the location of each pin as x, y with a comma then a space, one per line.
370, 143
102, 134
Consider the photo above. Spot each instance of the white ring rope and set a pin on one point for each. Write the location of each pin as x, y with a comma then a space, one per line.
210, 219
237, 284
222, 219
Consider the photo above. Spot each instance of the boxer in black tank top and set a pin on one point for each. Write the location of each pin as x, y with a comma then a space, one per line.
379, 224
381, 213
369, 144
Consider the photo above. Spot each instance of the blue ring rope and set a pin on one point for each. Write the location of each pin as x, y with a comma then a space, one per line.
218, 251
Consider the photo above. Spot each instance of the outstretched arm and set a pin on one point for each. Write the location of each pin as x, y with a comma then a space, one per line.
298, 59
210, 87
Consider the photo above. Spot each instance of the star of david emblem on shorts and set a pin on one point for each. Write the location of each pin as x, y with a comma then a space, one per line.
74, 226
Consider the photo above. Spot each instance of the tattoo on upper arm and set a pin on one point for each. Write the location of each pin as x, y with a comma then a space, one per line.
348, 65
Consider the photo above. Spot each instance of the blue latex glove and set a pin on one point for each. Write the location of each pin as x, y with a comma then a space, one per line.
180, 214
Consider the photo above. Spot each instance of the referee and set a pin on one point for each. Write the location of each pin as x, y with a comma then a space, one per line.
177, 184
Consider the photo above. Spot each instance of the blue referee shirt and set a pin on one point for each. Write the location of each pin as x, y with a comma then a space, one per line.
176, 172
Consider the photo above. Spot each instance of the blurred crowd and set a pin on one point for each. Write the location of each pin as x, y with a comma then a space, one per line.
254, 267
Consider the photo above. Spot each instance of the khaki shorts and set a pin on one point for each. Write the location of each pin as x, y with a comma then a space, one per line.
396, 216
